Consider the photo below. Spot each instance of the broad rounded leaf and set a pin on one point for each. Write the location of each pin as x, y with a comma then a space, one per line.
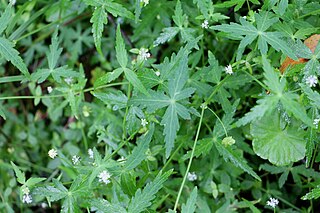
280, 146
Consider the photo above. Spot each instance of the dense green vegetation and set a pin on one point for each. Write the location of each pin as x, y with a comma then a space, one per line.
159, 106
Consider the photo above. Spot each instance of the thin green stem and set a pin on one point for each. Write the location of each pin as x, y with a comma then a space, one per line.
215, 89
85, 141
61, 95
124, 129
224, 128
120, 146
171, 157
190, 160
7, 79
256, 80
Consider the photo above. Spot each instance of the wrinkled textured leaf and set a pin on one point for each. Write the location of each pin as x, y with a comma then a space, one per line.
280, 146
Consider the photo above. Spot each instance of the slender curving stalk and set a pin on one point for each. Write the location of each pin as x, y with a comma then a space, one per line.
191, 157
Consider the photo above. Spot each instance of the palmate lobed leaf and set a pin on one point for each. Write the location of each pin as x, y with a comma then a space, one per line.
176, 92
248, 33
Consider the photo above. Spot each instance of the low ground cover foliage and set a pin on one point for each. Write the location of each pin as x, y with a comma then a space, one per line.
159, 106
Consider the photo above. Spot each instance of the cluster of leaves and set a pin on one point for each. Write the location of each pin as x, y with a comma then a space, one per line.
204, 122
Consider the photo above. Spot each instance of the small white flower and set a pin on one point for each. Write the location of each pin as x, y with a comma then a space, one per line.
144, 122
90, 153
157, 73
244, 17
75, 159
143, 54
312, 80
192, 176
228, 69
52, 153
44, 205
273, 202
49, 89
122, 159
205, 24
68, 80
104, 177
146, 2
316, 122
26, 198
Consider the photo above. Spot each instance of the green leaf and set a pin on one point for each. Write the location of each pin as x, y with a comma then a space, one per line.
282, 6
314, 96
156, 100
229, 154
121, 52
280, 146
314, 194
116, 98
289, 102
139, 152
33, 181
176, 93
178, 16
10, 54
143, 198
53, 193
272, 77
237, 3
105, 206
171, 125
117, 10
248, 33
263, 106
128, 183
135, 81
190, 206
55, 51
108, 77
2, 114
21, 177
99, 19
273, 38
5, 18
167, 34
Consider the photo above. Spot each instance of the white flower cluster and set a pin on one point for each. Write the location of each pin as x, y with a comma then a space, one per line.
75, 159
228, 69
26, 198
205, 24
192, 176
52, 153
312, 80
273, 202
104, 177
144, 122
144, 54
90, 153
316, 122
